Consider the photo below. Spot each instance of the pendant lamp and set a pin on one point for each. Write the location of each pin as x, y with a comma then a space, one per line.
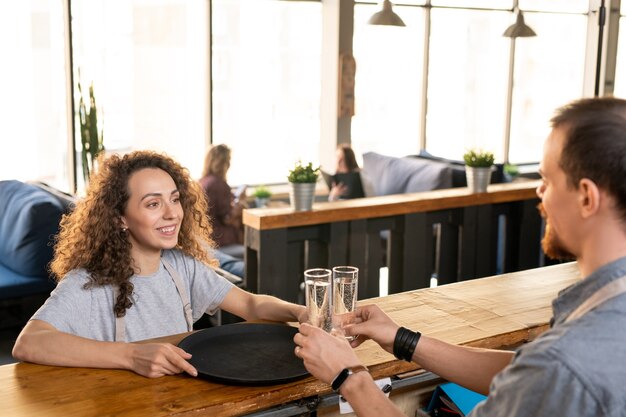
386, 16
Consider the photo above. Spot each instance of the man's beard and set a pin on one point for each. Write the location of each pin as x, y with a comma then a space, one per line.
551, 244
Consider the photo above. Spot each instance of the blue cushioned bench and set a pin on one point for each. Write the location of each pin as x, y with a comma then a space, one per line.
29, 219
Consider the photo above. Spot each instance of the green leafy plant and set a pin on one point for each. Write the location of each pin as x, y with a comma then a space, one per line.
303, 173
511, 170
477, 158
92, 141
262, 192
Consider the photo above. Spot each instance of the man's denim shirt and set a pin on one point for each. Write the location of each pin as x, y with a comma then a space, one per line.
577, 368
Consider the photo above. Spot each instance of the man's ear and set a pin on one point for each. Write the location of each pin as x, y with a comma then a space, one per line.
588, 197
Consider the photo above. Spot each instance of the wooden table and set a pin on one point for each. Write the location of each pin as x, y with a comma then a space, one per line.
491, 312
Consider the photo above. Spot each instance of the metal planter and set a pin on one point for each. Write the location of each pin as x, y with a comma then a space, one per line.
301, 196
478, 178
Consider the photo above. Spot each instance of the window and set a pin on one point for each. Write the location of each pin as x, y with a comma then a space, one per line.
468, 77
388, 83
33, 98
467, 81
620, 70
266, 85
148, 62
559, 6
549, 70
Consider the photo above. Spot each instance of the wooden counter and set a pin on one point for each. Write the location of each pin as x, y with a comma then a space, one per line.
389, 205
492, 312
452, 234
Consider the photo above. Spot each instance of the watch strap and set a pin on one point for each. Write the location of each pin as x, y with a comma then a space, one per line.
344, 374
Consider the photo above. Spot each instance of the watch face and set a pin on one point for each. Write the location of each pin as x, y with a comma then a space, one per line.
344, 374
339, 379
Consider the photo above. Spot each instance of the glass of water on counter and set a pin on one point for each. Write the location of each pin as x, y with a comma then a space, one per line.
345, 289
318, 295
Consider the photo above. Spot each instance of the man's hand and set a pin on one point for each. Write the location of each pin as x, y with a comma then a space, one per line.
157, 359
324, 355
372, 323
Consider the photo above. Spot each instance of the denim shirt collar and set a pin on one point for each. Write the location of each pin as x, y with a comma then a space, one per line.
571, 297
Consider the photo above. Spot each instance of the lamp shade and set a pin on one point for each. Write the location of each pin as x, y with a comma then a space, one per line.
519, 29
386, 17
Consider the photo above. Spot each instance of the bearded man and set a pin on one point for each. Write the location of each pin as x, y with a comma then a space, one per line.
577, 367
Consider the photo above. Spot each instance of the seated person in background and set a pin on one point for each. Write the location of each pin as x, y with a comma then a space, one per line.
132, 264
225, 209
229, 263
347, 182
573, 368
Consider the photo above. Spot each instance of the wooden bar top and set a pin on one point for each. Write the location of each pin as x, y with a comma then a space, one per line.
389, 205
491, 312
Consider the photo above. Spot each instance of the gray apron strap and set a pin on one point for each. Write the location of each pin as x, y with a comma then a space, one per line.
120, 322
182, 291
611, 290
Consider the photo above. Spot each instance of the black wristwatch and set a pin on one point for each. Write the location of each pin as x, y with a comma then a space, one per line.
344, 374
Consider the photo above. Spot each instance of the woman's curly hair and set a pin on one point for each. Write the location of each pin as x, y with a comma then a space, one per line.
91, 236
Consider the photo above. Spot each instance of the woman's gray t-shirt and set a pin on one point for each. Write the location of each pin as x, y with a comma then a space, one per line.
157, 307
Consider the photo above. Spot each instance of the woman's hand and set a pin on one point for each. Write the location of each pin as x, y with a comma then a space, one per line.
324, 354
303, 315
372, 323
336, 191
157, 359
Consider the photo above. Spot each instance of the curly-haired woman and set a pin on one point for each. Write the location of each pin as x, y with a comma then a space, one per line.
132, 264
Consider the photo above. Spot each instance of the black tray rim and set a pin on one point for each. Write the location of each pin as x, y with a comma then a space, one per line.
237, 328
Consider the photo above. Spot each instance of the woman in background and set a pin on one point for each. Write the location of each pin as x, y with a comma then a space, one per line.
347, 186
225, 209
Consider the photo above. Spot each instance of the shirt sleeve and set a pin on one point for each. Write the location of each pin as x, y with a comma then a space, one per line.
207, 289
68, 308
538, 383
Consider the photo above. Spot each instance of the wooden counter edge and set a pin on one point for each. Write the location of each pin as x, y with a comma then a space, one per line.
396, 204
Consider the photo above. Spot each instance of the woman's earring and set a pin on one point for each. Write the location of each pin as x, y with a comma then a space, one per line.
124, 229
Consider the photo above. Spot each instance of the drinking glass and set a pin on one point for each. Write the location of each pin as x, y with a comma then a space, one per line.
318, 293
345, 288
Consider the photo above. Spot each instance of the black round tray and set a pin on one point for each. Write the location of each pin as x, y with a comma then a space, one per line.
245, 354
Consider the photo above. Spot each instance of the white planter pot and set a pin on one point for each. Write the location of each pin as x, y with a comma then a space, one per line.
261, 202
301, 196
478, 178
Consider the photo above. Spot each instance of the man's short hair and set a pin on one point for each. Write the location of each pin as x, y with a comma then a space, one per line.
595, 144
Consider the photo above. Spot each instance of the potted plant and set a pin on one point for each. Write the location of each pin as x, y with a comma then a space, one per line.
91, 139
478, 168
302, 179
261, 196
511, 172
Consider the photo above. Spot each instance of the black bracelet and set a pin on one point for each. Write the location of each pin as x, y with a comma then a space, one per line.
409, 342
412, 345
401, 341
396, 342
404, 344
